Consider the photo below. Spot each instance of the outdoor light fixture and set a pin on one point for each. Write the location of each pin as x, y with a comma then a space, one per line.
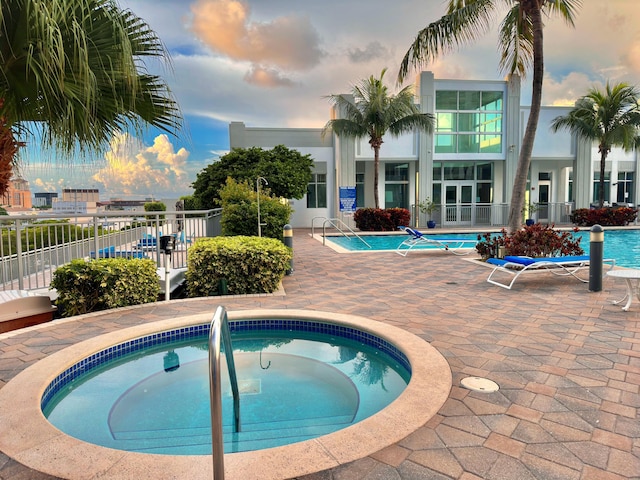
258, 180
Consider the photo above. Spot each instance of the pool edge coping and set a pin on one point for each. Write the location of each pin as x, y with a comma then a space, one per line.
37, 444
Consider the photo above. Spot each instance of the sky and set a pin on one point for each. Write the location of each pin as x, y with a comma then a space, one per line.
272, 63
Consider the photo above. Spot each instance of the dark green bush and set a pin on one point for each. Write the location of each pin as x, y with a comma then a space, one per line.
240, 211
400, 217
89, 286
608, 216
379, 220
536, 240
248, 264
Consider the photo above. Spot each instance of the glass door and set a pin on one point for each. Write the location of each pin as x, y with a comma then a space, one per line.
458, 197
544, 188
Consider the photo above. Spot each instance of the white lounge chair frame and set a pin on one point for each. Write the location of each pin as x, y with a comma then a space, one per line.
569, 267
448, 244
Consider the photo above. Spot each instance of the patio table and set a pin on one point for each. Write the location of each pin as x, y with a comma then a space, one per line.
631, 276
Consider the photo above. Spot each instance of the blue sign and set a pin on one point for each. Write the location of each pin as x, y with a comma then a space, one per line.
347, 199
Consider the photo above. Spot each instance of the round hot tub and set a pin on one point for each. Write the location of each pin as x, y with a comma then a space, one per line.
265, 340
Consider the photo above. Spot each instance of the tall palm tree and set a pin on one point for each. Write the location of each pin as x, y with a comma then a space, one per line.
611, 118
72, 73
521, 45
373, 112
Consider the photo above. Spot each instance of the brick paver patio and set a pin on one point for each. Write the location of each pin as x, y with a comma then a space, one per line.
567, 362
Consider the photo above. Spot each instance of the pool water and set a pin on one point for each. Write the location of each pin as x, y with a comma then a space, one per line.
293, 387
623, 245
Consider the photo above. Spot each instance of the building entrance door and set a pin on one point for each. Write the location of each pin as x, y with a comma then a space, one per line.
458, 198
544, 196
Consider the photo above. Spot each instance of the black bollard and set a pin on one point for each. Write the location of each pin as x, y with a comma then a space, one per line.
596, 256
287, 238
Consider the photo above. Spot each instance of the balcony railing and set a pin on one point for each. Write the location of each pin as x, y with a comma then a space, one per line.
33, 246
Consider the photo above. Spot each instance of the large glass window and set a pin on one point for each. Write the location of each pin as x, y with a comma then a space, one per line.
359, 189
596, 186
625, 187
481, 173
396, 187
468, 122
317, 191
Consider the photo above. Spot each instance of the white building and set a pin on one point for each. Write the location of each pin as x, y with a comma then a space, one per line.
467, 165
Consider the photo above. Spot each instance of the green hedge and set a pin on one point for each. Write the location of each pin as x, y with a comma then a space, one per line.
248, 264
89, 286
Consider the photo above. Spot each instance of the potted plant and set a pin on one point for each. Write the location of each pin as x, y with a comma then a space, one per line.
428, 206
528, 211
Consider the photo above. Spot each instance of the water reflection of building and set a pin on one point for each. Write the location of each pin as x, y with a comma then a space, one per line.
17, 197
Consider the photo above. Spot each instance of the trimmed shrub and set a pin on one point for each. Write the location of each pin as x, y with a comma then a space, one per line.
248, 264
400, 217
536, 240
89, 286
379, 220
240, 211
609, 216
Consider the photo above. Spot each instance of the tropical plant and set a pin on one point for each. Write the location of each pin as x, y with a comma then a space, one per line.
381, 220
616, 216
372, 112
611, 118
520, 43
428, 207
72, 74
240, 211
288, 172
155, 207
535, 240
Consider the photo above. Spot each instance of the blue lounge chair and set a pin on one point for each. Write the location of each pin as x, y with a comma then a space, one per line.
515, 265
111, 252
452, 245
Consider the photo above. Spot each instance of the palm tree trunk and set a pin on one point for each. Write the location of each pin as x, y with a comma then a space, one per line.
603, 160
376, 174
8, 150
524, 160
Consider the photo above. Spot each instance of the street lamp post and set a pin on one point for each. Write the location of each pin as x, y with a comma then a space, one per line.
258, 180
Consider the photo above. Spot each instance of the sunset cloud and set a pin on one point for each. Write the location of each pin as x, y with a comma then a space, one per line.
134, 169
287, 43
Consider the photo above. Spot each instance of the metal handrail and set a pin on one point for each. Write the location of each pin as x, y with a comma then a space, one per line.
220, 327
332, 221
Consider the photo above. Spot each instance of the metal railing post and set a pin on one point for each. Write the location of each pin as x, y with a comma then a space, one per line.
19, 254
220, 329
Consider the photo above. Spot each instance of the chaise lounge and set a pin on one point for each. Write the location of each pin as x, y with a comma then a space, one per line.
514, 266
449, 244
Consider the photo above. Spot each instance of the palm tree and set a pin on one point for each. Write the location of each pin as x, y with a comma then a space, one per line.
611, 118
373, 112
521, 46
72, 73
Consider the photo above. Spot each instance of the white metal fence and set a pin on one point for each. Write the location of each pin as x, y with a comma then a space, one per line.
33, 246
492, 215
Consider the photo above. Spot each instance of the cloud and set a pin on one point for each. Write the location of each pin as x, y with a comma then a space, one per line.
287, 43
373, 51
133, 169
567, 90
267, 77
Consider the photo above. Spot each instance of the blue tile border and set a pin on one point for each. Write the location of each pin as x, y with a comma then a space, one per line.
238, 326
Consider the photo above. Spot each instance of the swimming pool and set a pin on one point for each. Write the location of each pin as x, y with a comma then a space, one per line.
294, 385
623, 245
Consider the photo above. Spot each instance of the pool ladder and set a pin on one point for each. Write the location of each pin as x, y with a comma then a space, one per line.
338, 225
220, 328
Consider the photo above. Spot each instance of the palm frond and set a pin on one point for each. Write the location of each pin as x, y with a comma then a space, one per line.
465, 22
78, 70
